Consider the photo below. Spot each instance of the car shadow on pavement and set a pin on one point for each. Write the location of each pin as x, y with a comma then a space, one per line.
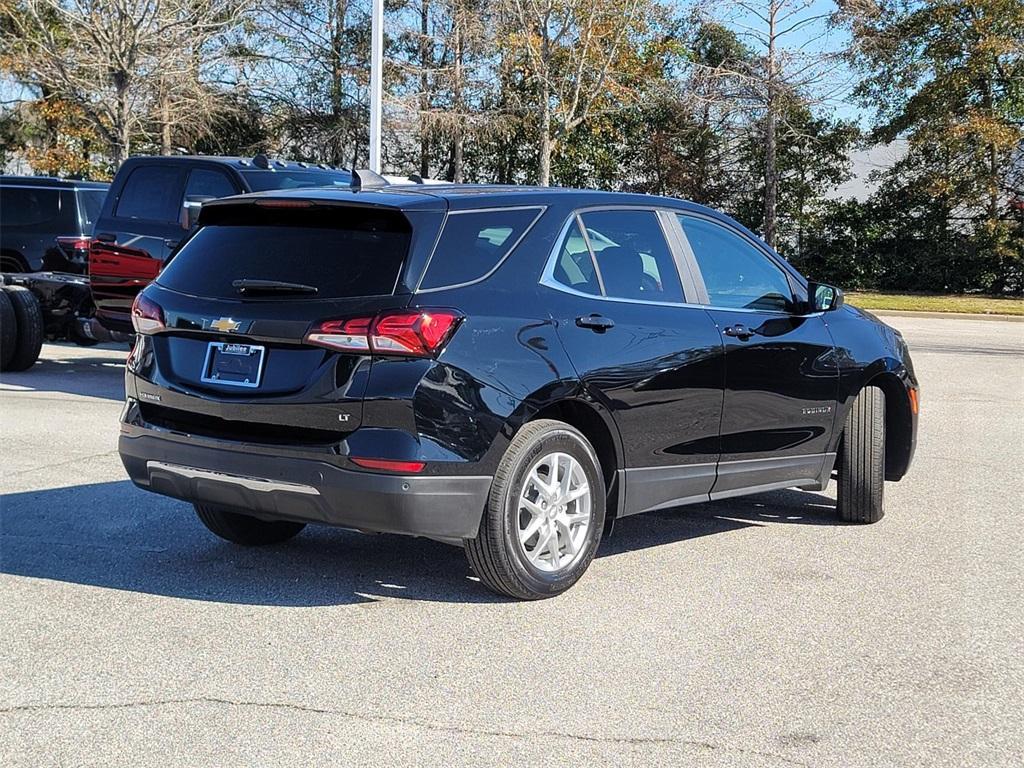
93, 372
112, 535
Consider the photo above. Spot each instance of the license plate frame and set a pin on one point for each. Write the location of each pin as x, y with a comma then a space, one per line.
246, 356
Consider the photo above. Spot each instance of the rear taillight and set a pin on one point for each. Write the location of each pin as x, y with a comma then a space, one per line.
74, 243
413, 333
147, 315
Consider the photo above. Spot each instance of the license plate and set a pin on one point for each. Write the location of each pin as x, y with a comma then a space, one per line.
236, 365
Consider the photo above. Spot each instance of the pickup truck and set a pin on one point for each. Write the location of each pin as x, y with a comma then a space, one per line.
152, 206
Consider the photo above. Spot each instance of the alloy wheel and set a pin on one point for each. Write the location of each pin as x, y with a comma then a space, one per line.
554, 512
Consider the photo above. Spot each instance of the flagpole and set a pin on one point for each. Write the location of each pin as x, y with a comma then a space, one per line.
376, 78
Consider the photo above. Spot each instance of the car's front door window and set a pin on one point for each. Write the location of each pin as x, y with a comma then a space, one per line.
736, 274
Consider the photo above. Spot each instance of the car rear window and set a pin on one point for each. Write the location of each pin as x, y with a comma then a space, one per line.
342, 256
90, 203
473, 244
261, 181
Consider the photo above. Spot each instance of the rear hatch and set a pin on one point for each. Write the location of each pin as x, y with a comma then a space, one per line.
235, 305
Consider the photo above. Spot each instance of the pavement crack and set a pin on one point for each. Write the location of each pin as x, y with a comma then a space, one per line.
394, 720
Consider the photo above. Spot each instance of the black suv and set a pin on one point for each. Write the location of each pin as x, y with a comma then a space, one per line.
153, 204
45, 223
506, 368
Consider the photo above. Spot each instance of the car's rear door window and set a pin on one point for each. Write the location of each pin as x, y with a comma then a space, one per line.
151, 193
632, 255
474, 243
341, 255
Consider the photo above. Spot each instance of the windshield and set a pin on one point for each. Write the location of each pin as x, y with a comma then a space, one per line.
260, 181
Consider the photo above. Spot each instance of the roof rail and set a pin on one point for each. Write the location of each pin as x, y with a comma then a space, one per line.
364, 178
415, 178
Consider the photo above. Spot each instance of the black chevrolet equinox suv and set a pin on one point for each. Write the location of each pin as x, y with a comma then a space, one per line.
509, 369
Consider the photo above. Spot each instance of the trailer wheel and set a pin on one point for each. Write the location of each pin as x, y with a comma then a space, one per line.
8, 331
29, 325
77, 335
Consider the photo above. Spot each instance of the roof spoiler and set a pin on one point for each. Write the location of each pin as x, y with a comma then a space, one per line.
364, 178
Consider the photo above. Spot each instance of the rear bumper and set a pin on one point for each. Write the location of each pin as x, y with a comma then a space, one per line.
307, 490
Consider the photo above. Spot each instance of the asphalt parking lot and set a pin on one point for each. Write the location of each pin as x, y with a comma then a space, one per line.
754, 632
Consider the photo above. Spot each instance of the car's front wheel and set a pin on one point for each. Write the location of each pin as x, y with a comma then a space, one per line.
545, 514
244, 529
861, 461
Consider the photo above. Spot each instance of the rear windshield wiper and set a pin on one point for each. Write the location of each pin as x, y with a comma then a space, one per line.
245, 285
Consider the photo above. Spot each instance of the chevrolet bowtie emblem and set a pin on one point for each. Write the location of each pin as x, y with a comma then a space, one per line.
225, 324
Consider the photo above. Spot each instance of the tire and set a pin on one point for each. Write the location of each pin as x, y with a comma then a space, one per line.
500, 559
8, 331
862, 459
245, 530
75, 334
29, 324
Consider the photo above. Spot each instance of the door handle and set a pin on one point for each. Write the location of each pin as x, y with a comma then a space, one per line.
106, 237
597, 323
739, 331
172, 244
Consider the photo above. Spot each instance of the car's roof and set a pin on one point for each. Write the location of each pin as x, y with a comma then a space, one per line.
466, 196
51, 181
239, 163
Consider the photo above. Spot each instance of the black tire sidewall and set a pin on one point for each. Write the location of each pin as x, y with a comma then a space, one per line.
243, 529
8, 330
556, 440
29, 323
861, 494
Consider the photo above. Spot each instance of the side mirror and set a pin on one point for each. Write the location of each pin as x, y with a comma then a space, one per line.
190, 210
822, 297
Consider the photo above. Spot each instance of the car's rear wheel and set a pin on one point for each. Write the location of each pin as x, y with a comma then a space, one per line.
29, 327
545, 514
862, 459
244, 529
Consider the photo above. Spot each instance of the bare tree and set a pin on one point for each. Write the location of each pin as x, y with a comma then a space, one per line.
309, 67
571, 49
128, 64
791, 63
445, 53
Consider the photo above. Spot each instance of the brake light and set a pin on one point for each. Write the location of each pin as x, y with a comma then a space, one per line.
387, 464
284, 203
147, 315
414, 333
75, 243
